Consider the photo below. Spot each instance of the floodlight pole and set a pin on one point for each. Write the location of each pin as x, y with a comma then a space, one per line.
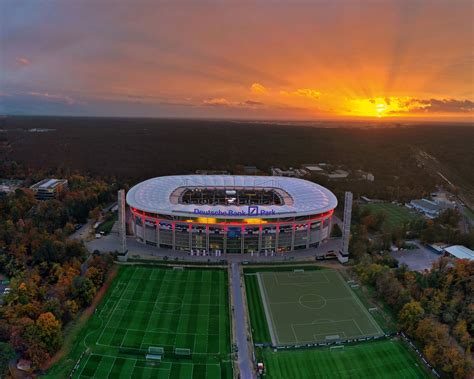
123, 253
343, 254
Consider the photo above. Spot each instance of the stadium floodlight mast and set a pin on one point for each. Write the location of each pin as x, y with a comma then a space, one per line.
122, 229
346, 227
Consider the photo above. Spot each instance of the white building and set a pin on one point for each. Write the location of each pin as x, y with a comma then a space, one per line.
460, 252
49, 188
429, 208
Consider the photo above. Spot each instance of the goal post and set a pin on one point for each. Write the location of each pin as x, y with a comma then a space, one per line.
156, 350
182, 352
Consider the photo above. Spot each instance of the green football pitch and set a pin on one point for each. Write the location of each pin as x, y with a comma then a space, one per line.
313, 307
396, 215
383, 359
159, 307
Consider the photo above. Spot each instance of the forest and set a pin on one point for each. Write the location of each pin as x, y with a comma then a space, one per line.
434, 308
51, 278
137, 149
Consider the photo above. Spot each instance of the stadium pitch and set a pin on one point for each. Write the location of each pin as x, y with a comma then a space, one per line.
150, 316
306, 307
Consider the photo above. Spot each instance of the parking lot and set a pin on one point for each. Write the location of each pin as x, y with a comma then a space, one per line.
419, 259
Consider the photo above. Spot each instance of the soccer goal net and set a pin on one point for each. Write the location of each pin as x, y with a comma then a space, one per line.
156, 350
153, 358
182, 352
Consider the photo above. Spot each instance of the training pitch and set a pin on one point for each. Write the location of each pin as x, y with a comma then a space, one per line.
313, 307
396, 215
159, 308
387, 359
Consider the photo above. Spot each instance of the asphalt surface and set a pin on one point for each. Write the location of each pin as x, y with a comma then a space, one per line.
244, 359
110, 242
419, 259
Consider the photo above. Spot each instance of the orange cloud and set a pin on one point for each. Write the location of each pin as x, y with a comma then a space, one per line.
397, 106
304, 92
223, 102
218, 102
258, 89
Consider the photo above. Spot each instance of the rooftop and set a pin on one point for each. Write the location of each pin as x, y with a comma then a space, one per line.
299, 197
460, 252
426, 204
48, 183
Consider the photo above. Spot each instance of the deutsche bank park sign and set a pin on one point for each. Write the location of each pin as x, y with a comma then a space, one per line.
252, 210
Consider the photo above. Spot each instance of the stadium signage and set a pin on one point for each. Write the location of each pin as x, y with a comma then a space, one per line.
252, 210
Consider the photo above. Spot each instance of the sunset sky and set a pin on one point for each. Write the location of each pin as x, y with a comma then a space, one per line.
261, 59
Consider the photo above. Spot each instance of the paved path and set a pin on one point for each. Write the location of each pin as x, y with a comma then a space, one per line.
239, 315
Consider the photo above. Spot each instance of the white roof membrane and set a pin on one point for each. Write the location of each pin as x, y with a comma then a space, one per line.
153, 195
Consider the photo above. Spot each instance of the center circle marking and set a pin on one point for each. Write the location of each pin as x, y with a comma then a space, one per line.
312, 301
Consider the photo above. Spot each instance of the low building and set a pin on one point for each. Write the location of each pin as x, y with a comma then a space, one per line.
338, 174
291, 172
438, 247
7, 185
250, 170
364, 175
48, 189
460, 252
429, 208
312, 168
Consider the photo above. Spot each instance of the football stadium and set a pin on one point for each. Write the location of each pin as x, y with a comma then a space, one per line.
230, 214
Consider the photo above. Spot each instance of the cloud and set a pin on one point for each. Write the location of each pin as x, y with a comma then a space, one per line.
439, 106
223, 102
252, 102
304, 92
22, 61
218, 102
258, 89
53, 97
390, 106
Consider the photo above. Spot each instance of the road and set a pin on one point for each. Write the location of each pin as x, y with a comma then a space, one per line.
111, 243
239, 316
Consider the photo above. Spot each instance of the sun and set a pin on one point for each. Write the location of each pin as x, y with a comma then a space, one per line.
380, 108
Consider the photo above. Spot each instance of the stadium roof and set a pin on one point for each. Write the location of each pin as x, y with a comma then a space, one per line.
307, 198
460, 252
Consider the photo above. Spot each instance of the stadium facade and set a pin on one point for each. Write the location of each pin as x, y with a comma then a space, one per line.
230, 214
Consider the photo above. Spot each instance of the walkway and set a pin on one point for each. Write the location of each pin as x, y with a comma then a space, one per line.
239, 316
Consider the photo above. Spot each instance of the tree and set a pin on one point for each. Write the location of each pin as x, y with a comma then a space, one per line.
6, 353
70, 310
49, 331
38, 354
410, 315
95, 275
83, 290
462, 335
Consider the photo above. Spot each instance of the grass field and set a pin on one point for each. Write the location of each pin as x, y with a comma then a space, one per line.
260, 332
312, 307
383, 359
159, 307
396, 215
